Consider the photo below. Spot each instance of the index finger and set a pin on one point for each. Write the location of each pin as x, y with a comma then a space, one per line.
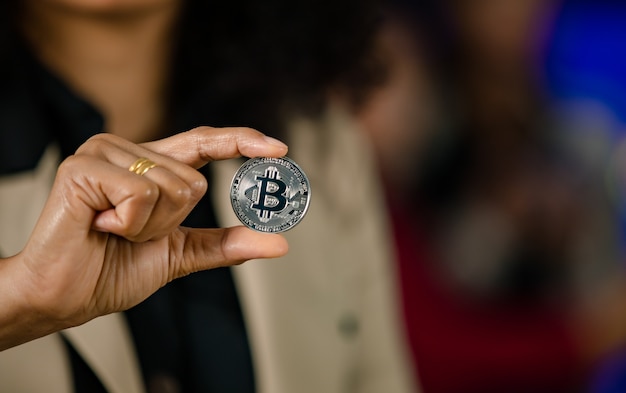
205, 144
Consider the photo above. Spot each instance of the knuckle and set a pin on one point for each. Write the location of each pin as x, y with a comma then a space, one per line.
181, 195
199, 134
149, 193
104, 137
245, 131
95, 144
192, 186
245, 134
198, 187
68, 165
70, 170
186, 193
200, 129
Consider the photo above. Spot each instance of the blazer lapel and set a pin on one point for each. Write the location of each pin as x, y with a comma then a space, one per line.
105, 344
38, 366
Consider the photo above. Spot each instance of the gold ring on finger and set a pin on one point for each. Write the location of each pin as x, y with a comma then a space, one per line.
141, 166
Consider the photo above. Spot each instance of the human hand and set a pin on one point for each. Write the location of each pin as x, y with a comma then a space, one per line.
108, 238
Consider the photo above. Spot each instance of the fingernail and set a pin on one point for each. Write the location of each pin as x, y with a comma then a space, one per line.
274, 142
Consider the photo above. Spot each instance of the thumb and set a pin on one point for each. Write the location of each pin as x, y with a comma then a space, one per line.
202, 249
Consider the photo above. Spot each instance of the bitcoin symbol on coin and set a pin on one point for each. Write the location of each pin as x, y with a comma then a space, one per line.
271, 198
270, 194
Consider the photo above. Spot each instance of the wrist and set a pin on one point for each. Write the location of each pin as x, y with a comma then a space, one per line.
22, 318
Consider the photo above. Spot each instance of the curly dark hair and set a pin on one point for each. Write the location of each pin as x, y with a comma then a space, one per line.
258, 58
251, 60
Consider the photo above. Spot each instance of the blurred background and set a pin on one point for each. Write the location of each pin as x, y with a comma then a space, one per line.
500, 130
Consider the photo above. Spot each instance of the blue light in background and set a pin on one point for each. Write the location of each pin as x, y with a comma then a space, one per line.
587, 56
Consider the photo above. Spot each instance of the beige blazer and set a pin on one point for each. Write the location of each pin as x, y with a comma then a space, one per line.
322, 319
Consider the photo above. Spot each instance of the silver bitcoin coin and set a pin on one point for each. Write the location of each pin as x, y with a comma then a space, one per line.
270, 194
